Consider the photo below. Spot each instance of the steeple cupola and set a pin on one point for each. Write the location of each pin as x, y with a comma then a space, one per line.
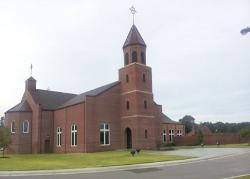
134, 48
30, 84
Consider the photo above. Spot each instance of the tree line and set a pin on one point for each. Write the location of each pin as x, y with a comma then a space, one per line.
243, 128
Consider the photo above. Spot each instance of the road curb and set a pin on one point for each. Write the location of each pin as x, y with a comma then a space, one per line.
113, 168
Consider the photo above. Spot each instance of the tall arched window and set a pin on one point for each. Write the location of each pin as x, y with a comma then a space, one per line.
145, 104
74, 135
127, 78
59, 136
13, 127
127, 105
26, 126
134, 56
126, 59
144, 77
146, 133
143, 59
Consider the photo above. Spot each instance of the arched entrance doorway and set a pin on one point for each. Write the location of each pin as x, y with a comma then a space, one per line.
128, 135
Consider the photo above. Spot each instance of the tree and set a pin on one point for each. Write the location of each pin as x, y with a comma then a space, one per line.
200, 137
188, 122
2, 121
5, 138
245, 132
226, 127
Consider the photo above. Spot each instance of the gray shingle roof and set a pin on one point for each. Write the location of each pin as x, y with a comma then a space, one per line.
31, 78
81, 97
166, 119
50, 100
134, 38
21, 107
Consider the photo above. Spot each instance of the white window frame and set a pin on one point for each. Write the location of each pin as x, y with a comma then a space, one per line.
59, 137
104, 130
171, 134
164, 136
28, 126
179, 132
11, 127
74, 135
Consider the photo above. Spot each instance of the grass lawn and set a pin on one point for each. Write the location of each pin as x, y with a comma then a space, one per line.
244, 177
80, 160
243, 145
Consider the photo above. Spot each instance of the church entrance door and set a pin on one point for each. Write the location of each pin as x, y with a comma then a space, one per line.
47, 146
128, 135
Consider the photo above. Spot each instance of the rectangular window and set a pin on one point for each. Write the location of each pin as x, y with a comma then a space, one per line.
179, 133
104, 134
74, 135
164, 136
171, 135
59, 136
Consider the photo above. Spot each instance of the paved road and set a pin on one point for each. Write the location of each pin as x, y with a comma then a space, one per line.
205, 152
216, 168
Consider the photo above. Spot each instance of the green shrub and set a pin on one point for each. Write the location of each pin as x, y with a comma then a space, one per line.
245, 132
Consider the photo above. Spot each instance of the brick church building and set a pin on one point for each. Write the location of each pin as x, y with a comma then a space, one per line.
119, 115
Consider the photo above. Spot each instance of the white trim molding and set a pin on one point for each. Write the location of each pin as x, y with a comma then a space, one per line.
144, 116
140, 91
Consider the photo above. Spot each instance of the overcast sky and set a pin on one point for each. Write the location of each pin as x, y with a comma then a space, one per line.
200, 61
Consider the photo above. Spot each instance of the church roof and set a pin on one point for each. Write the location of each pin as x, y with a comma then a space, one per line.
50, 100
166, 119
134, 38
21, 107
31, 78
81, 97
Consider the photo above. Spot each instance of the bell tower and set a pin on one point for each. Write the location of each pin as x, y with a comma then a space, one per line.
137, 113
134, 48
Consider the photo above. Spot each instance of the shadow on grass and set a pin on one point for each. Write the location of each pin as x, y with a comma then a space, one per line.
4, 157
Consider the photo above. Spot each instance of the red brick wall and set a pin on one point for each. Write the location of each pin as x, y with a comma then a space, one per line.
21, 142
104, 108
222, 138
36, 123
65, 118
47, 127
138, 125
185, 140
135, 72
212, 139
175, 127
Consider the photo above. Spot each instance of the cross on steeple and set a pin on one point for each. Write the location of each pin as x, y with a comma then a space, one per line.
31, 68
133, 11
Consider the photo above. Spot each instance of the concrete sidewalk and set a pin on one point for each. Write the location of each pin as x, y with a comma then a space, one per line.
209, 154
